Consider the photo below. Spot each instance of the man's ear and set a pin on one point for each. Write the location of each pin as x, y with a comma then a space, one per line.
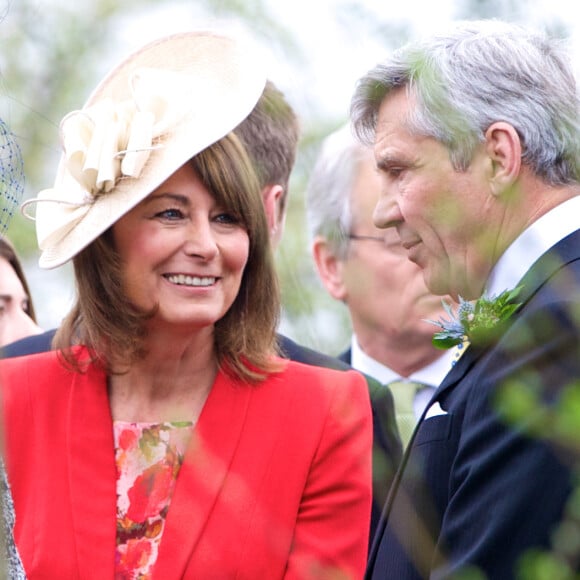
330, 268
272, 196
504, 148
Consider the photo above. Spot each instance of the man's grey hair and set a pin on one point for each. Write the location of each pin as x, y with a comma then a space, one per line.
329, 189
479, 73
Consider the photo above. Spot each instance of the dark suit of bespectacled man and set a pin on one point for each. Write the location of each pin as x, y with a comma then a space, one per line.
476, 136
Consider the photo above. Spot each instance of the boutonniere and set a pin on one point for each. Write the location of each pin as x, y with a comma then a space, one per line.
478, 322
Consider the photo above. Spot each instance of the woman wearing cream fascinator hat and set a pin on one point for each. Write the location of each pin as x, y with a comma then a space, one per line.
164, 438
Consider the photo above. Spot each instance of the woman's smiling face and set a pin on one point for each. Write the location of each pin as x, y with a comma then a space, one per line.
182, 253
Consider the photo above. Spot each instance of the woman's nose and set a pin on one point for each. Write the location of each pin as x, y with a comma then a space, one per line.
201, 241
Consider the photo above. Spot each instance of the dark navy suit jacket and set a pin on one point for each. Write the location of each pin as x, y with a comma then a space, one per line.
387, 450
473, 490
29, 345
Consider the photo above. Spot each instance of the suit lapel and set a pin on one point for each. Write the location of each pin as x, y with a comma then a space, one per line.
563, 253
92, 474
346, 356
450, 380
205, 466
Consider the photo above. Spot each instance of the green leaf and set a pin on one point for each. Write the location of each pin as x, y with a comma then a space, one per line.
442, 341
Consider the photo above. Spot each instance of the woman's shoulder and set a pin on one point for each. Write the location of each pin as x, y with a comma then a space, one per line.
312, 381
340, 370
318, 397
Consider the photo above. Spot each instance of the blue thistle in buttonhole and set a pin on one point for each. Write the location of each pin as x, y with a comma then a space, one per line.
478, 322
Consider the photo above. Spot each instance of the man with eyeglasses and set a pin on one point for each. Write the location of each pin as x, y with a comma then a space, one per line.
368, 270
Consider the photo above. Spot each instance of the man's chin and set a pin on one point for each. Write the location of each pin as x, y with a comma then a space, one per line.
436, 284
443, 284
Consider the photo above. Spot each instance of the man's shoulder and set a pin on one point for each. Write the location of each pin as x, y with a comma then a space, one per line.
387, 444
299, 353
29, 345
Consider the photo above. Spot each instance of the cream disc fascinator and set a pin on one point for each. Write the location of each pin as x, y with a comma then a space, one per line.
156, 110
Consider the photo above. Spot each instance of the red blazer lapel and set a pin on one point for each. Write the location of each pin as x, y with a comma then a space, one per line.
92, 474
205, 466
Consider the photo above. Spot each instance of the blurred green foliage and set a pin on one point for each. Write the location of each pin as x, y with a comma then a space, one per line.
53, 53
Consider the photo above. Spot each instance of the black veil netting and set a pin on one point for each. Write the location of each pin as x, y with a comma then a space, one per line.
11, 176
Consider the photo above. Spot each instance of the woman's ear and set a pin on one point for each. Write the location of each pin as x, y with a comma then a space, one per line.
504, 149
329, 268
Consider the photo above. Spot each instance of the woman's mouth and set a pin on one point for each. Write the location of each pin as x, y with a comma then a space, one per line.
187, 280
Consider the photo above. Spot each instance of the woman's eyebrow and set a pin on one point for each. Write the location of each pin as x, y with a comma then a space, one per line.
181, 199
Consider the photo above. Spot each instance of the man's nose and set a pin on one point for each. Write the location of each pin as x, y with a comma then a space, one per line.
387, 213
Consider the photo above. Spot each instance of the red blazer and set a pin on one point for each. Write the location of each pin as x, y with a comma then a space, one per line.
276, 482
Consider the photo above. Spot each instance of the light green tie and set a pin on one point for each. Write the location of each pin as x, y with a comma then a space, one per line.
404, 395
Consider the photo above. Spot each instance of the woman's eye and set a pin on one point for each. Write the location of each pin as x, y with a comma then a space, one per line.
170, 214
226, 218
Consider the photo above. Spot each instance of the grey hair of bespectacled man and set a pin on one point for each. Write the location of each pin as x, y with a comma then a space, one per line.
478, 73
328, 193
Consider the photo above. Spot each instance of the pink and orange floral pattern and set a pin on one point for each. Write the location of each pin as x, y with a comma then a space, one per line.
148, 457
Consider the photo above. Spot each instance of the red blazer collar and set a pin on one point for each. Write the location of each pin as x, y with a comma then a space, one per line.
93, 473
205, 466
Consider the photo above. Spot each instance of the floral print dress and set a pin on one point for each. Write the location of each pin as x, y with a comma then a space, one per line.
148, 458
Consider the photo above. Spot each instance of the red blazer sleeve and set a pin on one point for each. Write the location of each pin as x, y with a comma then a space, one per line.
278, 481
331, 536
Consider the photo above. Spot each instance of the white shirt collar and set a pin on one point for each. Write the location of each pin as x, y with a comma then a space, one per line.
532, 243
432, 374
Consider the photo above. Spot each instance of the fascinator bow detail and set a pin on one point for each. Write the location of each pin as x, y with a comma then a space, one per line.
106, 142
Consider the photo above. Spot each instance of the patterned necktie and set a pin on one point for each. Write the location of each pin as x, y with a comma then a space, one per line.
459, 350
404, 395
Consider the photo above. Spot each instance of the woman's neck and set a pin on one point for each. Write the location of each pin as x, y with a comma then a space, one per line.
170, 383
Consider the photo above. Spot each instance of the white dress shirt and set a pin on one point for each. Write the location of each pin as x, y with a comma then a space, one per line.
534, 241
431, 375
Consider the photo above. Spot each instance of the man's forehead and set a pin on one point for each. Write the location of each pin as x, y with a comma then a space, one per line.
395, 108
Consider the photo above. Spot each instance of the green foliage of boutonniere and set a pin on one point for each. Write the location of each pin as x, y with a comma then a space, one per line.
478, 322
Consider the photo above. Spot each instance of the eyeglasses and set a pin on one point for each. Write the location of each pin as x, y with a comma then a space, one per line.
383, 240
390, 240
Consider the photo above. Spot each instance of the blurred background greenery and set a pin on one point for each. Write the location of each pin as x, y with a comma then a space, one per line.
54, 52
